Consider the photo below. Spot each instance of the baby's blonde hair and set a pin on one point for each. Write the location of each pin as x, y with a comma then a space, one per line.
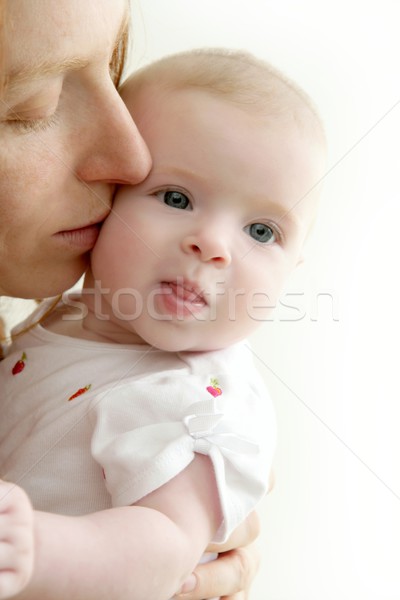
236, 76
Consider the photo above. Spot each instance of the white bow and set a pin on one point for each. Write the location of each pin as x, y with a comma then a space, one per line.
207, 426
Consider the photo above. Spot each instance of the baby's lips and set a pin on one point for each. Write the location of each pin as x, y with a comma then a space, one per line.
188, 292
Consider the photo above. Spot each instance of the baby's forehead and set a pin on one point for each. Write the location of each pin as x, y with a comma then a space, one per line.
278, 105
292, 124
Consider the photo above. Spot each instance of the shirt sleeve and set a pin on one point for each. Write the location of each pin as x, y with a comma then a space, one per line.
148, 431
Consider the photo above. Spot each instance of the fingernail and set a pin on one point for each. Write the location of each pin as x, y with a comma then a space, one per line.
189, 584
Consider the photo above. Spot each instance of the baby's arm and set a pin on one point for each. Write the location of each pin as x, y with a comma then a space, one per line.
131, 553
16, 539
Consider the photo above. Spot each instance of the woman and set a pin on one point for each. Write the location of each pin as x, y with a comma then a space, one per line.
66, 140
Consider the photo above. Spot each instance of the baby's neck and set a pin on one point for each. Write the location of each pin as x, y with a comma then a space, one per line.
99, 319
85, 316
76, 320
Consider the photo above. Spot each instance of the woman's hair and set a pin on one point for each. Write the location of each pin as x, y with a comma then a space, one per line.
119, 56
2, 49
236, 76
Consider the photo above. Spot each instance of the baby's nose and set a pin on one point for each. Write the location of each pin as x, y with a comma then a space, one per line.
208, 248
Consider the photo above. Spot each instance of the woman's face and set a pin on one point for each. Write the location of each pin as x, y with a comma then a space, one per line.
66, 138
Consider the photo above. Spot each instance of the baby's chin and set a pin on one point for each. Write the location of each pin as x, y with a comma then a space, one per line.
178, 343
174, 346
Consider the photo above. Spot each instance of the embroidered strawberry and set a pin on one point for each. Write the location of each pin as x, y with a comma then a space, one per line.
80, 392
214, 388
19, 365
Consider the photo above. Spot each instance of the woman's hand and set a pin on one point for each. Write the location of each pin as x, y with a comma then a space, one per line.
231, 575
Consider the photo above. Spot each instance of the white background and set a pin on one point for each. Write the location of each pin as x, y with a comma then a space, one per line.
331, 527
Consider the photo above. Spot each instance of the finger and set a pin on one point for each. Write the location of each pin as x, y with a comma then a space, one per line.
9, 584
244, 534
10, 496
231, 574
5, 490
10, 574
15, 504
239, 596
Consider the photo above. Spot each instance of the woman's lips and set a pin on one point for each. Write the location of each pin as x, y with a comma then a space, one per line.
83, 238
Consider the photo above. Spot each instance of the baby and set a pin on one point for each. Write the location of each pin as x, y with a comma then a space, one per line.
137, 399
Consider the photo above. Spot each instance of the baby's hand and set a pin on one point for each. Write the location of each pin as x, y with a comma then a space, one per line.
16, 540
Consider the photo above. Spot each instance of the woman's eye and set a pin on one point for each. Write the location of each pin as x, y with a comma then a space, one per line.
36, 109
261, 233
176, 199
28, 125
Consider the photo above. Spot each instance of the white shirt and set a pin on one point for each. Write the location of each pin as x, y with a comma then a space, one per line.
86, 426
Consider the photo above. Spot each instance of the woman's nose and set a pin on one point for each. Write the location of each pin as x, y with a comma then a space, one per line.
209, 248
115, 150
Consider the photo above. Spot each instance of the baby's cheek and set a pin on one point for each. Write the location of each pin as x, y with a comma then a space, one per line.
260, 303
127, 304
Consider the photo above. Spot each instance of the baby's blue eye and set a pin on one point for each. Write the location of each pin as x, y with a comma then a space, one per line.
261, 233
176, 200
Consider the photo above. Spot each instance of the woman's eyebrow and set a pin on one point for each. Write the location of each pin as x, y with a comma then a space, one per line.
43, 69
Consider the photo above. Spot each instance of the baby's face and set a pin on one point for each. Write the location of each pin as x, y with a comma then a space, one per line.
203, 247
